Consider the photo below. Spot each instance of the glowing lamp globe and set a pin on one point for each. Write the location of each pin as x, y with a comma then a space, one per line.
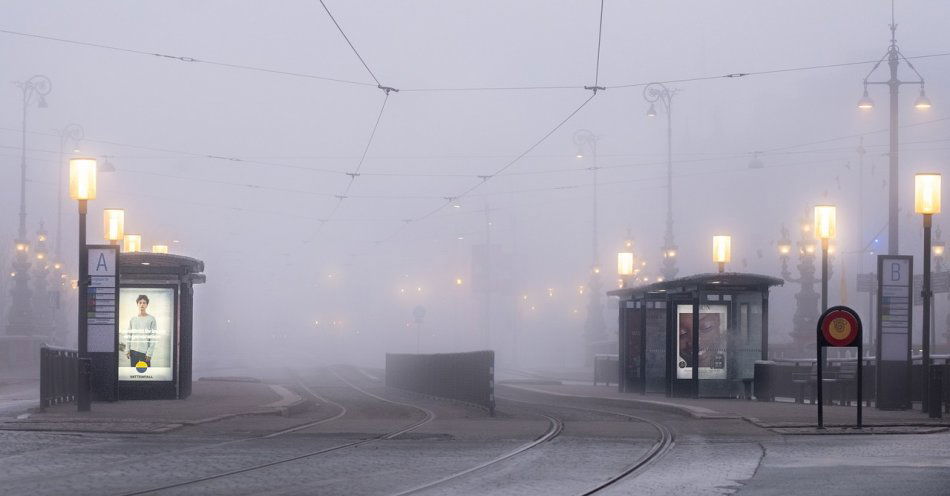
825, 223
82, 178
927, 193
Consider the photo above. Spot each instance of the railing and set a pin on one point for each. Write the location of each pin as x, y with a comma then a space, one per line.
784, 378
59, 369
467, 377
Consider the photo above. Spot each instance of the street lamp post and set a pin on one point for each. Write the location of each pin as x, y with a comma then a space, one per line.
653, 93
594, 325
926, 203
21, 310
893, 57
825, 230
82, 187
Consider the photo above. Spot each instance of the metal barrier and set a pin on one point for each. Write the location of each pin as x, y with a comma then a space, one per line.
467, 377
59, 369
606, 369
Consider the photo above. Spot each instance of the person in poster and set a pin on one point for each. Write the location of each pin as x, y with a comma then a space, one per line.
711, 341
141, 334
709, 338
146, 334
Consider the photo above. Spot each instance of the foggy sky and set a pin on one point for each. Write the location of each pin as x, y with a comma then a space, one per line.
272, 268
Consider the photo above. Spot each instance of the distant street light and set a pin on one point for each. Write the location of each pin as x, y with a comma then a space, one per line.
926, 203
82, 187
893, 57
21, 315
113, 225
722, 251
594, 325
625, 263
132, 243
652, 93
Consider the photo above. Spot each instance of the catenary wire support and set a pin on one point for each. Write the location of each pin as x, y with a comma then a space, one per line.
595, 88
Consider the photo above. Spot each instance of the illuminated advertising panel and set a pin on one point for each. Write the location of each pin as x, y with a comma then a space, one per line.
712, 342
146, 333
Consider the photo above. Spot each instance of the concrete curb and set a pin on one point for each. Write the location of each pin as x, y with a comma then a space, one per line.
784, 428
662, 406
289, 403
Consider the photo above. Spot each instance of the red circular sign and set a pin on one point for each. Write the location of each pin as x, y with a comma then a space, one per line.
839, 328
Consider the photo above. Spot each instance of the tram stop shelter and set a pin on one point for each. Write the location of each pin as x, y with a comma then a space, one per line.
696, 336
152, 357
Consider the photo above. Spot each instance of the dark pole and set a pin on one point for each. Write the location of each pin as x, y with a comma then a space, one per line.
925, 296
821, 350
21, 230
818, 381
669, 168
83, 398
824, 274
893, 59
860, 375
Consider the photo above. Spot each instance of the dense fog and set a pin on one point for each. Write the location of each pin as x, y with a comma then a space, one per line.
339, 219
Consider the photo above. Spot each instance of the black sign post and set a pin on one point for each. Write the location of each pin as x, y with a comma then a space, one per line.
839, 327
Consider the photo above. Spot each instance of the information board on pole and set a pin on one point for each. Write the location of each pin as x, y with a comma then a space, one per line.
101, 309
894, 327
102, 319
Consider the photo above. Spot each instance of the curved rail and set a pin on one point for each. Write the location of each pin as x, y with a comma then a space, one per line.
556, 426
663, 445
428, 417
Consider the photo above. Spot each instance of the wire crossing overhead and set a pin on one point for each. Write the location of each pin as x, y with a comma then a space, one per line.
437, 89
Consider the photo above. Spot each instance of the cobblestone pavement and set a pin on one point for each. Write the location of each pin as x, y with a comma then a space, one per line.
715, 455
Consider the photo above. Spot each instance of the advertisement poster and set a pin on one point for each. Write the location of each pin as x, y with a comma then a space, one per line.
146, 334
712, 342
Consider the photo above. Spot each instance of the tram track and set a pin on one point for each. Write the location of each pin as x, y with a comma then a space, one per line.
662, 445
428, 416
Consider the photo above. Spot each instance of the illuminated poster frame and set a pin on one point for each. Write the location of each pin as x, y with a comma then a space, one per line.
162, 310
713, 326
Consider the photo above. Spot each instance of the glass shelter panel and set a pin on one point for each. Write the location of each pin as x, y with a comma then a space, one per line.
656, 346
684, 341
716, 325
746, 342
633, 332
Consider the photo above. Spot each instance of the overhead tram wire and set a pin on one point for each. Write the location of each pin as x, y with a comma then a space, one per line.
600, 37
386, 89
356, 173
449, 200
348, 42
484, 179
513, 161
187, 59
436, 89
